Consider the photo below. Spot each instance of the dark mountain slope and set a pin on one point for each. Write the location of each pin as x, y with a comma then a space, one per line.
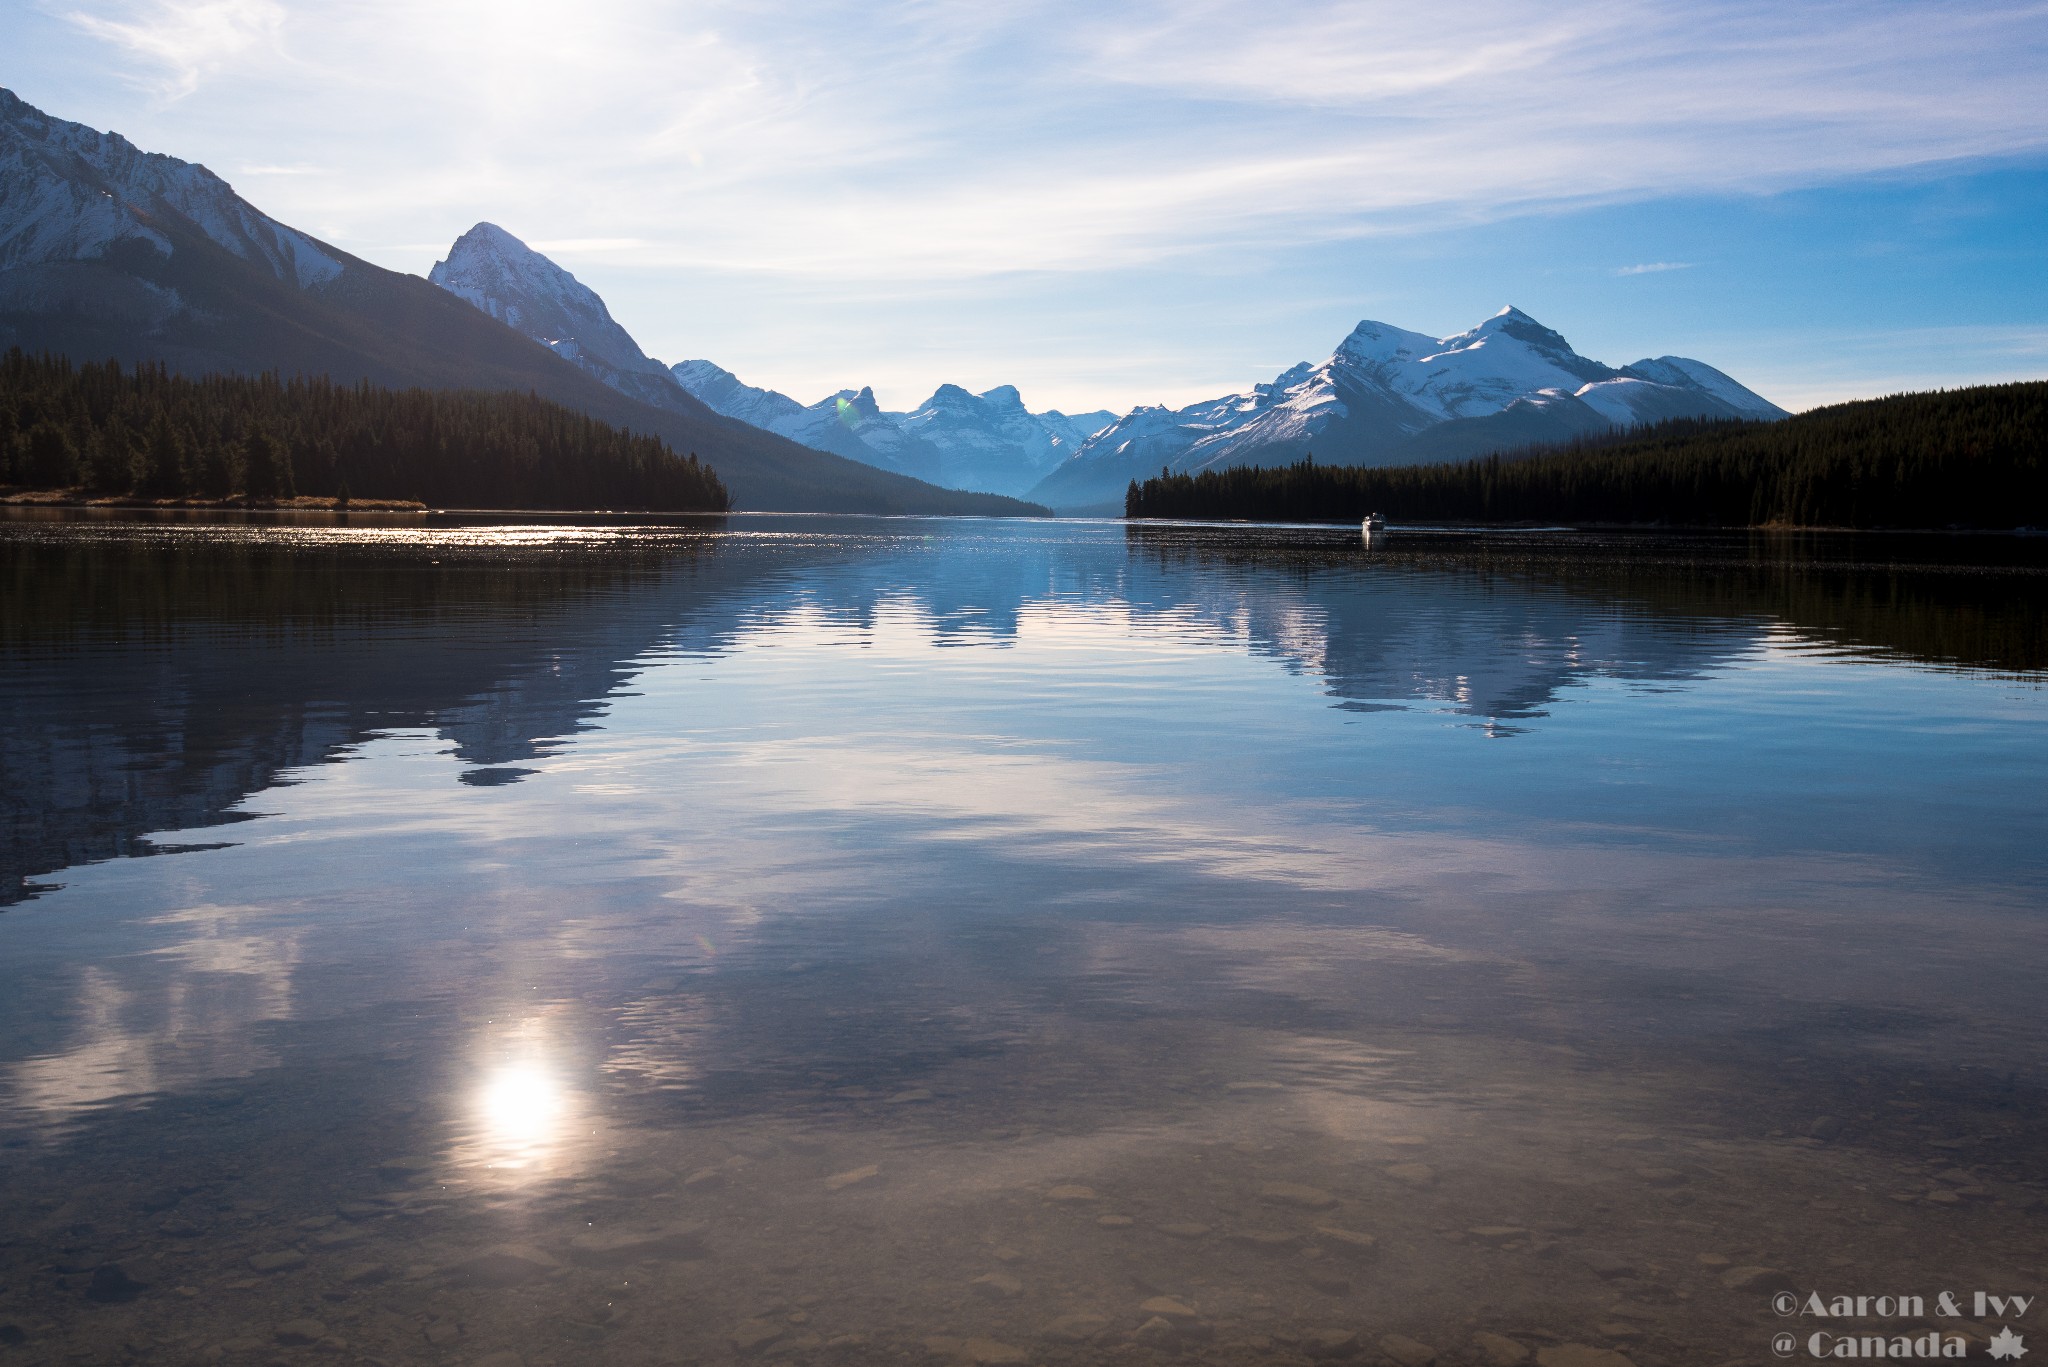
108, 252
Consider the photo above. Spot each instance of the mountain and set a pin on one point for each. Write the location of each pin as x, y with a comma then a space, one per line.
1954, 458
990, 441
987, 441
110, 251
531, 294
1387, 396
849, 423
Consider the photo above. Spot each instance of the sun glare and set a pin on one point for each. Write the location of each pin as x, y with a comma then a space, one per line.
522, 1107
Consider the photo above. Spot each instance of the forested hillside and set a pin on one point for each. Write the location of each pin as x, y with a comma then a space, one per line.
108, 432
1973, 457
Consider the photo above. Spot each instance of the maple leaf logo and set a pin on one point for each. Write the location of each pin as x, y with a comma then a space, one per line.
2006, 1344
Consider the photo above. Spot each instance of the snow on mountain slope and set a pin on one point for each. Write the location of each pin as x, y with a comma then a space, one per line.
988, 442
1069, 430
730, 395
1682, 373
70, 193
855, 417
529, 293
1390, 396
848, 423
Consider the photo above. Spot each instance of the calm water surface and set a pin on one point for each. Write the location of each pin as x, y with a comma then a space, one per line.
862, 941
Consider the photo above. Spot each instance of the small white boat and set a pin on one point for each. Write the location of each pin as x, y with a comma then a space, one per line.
1375, 525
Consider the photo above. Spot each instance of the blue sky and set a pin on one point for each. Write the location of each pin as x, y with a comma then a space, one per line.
1147, 202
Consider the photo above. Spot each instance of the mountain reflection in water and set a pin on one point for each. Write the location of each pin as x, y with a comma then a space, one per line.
158, 680
863, 939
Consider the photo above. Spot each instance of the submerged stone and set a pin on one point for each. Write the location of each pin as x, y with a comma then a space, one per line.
111, 1284
297, 1333
1076, 1328
754, 1336
1330, 1343
1349, 1242
507, 1265
996, 1286
1580, 1355
1766, 1279
280, 1260
1498, 1350
1407, 1352
1296, 1195
1265, 1240
1498, 1234
853, 1177
614, 1247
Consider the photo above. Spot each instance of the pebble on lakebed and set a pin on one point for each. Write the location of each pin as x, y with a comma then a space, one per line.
1296, 1195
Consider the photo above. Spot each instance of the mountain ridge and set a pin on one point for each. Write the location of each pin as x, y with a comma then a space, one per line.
1389, 396
110, 252
987, 441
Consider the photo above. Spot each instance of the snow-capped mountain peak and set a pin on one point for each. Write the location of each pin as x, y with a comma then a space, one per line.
988, 441
71, 193
526, 291
1373, 341
858, 405
1390, 396
507, 279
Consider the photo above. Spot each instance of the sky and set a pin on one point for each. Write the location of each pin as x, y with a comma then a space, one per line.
1112, 205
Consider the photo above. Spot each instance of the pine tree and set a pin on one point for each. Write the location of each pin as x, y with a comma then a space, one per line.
161, 466
213, 473
266, 470
52, 457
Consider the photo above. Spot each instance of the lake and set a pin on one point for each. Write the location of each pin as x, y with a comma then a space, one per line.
954, 941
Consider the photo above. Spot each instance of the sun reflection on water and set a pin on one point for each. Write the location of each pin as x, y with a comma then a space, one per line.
522, 1117
522, 1106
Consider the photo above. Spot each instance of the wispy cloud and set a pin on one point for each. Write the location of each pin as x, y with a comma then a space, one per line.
971, 163
178, 43
927, 139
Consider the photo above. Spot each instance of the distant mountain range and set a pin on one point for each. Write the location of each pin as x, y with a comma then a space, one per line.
110, 251
1386, 396
106, 250
988, 442
1391, 397
968, 441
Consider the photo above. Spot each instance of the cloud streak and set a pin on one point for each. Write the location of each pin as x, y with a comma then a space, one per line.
923, 140
177, 44
793, 170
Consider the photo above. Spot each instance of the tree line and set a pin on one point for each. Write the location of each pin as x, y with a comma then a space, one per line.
104, 432
1975, 457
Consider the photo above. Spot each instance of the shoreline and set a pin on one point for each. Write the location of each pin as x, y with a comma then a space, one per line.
1676, 528
60, 500
65, 498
